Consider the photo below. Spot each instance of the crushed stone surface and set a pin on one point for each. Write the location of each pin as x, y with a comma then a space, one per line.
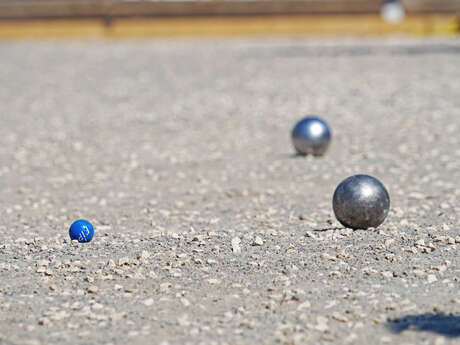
208, 229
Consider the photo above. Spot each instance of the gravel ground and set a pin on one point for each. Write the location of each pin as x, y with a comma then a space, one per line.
208, 230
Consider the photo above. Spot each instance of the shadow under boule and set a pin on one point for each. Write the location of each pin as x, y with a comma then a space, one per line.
443, 324
330, 229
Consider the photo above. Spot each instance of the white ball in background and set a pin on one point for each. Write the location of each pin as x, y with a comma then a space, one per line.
392, 12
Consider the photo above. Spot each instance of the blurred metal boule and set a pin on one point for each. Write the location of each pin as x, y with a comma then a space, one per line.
311, 136
392, 11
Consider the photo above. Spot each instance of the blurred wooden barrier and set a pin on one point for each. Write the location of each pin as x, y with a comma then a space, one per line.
431, 6
10, 9
359, 25
22, 9
244, 8
135, 18
111, 9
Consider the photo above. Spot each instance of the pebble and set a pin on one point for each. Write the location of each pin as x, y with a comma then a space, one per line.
148, 302
339, 317
431, 278
236, 245
93, 289
213, 281
304, 305
258, 241
165, 286
321, 323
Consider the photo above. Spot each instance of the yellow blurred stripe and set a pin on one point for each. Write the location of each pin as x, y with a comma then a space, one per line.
229, 26
51, 29
240, 26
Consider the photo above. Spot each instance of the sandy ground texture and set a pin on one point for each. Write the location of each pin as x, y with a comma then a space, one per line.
208, 230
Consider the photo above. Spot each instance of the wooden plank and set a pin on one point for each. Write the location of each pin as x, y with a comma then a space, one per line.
24, 9
431, 6
39, 29
361, 25
111, 9
239, 8
52, 9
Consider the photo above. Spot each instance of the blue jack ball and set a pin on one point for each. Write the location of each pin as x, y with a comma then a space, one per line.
81, 230
311, 136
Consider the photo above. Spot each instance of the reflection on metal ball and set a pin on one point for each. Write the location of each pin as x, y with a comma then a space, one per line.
311, 136
361, 202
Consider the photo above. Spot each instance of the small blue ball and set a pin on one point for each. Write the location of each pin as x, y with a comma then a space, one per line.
311, 136
81, 230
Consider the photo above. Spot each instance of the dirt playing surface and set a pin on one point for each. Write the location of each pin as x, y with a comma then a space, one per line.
208, 230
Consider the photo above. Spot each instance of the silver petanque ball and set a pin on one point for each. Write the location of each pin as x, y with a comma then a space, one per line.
361, 202
392, 11
311, 136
